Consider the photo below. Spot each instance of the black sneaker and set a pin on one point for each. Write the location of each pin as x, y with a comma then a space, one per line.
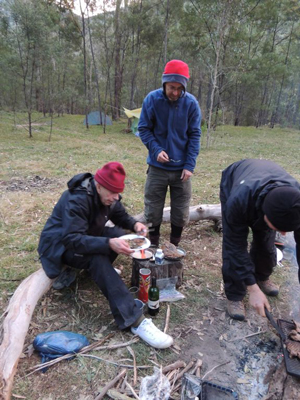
65, 278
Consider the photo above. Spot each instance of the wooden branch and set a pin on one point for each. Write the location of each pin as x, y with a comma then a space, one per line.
247, 336
110, 384
167, 319
132, 390
181, 373
197, 213
15, 326
175, 365
134, 365
216, 366
115, 394
197, 368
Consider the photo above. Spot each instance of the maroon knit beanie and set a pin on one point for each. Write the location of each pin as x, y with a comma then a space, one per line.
176, 71
282, 208
111, 176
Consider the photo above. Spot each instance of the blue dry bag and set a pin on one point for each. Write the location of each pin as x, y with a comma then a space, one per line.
55, 344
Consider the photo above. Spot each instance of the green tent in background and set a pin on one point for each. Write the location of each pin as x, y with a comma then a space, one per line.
134, 116
94, 118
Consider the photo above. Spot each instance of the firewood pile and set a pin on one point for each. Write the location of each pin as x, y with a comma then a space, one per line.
125, 385
120, 387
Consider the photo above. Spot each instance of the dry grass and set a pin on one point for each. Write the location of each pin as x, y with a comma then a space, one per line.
26, 202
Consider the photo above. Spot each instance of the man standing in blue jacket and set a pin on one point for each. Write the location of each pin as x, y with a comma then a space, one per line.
169, 127
262, 196
75, 234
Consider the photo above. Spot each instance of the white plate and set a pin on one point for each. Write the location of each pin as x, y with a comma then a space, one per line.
134, 236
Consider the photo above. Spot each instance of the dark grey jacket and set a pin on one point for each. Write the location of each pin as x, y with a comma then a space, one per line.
77, 223
244, 186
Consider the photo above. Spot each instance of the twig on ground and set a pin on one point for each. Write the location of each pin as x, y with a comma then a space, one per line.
217, 366
117, 346
181, 373
132, 390
247, 336
171, 374
134, 365
197, 368
123, 386
110, 384
167, 319
155, 363
174, 380
170, 367
116, 395
115, 363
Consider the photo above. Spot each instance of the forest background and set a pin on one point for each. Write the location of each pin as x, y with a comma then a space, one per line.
243, 57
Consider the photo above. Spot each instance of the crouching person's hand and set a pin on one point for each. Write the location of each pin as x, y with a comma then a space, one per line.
258, 300
120, 246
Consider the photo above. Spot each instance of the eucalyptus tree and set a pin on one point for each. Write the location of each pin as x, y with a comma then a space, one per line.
28, 29
214, 25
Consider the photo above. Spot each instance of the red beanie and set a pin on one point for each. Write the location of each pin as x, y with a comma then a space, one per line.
176, 71
111, 176
177, 67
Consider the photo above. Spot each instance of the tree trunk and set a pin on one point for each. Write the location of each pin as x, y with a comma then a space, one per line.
166, 32
274, 117
15, 326
118, 77
96, 71
85, 71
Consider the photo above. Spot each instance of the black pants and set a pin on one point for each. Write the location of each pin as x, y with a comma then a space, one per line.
262, 252
100, 268
263, 256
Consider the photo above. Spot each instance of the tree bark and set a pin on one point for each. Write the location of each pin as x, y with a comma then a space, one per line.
15, 326
96, 70
118, 74
85, 70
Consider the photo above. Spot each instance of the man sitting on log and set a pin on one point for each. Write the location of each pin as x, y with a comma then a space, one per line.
260, 195
76, 235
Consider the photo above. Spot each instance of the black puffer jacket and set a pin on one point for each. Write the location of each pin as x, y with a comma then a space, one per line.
244, 186
77, 223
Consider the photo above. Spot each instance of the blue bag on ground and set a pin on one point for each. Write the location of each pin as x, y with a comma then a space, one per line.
55, 344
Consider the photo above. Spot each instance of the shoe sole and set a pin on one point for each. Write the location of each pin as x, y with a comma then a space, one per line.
237, 317
272, 293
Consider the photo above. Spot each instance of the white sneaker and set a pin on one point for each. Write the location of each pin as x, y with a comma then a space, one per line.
152, 335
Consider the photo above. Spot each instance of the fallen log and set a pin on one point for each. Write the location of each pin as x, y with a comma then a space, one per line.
15, 326
199, 212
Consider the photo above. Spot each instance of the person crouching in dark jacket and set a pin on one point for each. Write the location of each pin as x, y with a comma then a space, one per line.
76, 235
262, 196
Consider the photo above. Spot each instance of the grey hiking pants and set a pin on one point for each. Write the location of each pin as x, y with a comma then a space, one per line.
156, 187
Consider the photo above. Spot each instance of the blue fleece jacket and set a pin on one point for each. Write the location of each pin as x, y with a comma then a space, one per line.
172, 126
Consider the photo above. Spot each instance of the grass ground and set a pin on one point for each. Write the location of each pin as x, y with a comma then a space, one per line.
33, 174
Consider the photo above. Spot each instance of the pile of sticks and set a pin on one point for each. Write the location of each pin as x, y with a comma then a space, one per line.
125, 386
120, 389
